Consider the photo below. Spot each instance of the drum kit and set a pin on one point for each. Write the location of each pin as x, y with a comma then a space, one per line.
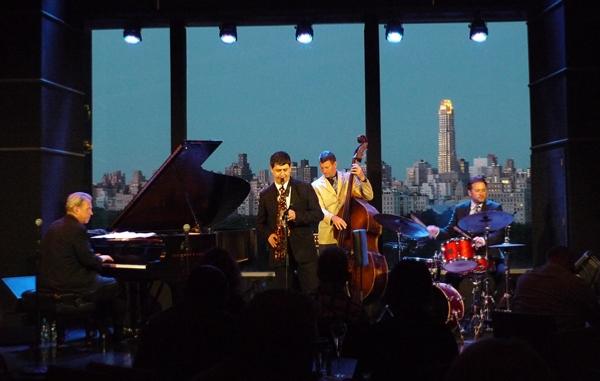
459, 256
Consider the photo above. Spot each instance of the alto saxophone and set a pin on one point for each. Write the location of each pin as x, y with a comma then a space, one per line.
280, 250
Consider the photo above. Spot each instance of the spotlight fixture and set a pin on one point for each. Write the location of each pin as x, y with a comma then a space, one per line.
478, 30
132, 35
228, 33
394, 32
304, 33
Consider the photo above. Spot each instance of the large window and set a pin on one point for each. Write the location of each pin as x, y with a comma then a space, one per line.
130, 116
485, 88
267, 93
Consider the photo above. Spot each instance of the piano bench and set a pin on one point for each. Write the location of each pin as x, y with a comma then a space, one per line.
66, 309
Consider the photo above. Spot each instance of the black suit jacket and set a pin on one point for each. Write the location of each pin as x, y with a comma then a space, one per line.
461, 211
303, 200
67, 262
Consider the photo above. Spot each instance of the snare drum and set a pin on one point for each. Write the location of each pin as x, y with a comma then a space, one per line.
458, 255
431, 263
448, 305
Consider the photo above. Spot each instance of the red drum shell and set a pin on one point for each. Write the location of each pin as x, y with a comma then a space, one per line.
448, 304
458, 255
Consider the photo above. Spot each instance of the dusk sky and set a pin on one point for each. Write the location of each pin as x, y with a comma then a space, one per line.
267, 93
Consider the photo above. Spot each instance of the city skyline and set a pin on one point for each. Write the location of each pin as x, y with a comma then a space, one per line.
311, 98
255, 171
423, 188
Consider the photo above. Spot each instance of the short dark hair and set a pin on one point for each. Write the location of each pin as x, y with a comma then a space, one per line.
280, 158
327, 156
333, 266
476, 179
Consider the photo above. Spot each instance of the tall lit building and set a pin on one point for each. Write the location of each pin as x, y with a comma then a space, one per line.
447, 161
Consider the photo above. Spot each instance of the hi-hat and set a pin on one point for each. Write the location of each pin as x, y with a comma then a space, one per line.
402, 225
507, 245
479, 222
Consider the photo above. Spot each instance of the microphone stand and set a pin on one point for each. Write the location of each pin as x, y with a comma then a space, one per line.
39, 366
287, 254
186, 231
37, 262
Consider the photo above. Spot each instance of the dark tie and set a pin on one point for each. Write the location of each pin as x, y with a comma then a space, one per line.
281, 202
332, 181
477, 208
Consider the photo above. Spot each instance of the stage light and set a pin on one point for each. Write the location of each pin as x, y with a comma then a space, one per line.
304, 33
228, 33
132, 35
394, 32
478, 30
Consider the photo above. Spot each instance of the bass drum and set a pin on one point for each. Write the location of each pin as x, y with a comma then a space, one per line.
448, 305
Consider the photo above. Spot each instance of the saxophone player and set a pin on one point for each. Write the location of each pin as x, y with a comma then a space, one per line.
288, 214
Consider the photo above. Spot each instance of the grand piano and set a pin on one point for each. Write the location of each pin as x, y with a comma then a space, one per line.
180, 206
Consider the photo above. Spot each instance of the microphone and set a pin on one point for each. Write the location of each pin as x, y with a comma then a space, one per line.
186, 240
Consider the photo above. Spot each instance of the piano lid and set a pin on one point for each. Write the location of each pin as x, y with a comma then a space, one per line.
182, 192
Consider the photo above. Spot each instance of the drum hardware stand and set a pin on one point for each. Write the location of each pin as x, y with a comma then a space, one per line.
506, 297
483, 305
399, 238
483, 302
437, 263
505, 300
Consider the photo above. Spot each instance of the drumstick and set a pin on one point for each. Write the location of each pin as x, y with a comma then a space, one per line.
459, 231
417, 220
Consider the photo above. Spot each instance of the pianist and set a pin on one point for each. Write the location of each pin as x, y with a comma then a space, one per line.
69, 265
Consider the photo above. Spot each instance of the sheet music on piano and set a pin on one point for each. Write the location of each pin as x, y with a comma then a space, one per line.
124, 236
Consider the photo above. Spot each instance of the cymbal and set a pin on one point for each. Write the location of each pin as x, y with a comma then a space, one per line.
492, 219
507, 245
402, 225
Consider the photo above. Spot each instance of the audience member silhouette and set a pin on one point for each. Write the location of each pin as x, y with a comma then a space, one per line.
278, 331
333, 302
194, 334
412, 339
225, 262
554, 289
493, 359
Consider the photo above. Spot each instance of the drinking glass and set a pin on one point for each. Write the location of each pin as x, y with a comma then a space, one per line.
338, 330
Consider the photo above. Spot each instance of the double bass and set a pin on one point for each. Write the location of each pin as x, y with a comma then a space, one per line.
368, 270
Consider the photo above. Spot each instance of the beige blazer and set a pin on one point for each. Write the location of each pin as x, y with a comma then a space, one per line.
331, 200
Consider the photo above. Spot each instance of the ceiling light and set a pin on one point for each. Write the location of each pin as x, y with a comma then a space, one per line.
304, 33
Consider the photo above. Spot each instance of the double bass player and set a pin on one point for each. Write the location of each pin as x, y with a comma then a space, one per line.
331, 189
343, 199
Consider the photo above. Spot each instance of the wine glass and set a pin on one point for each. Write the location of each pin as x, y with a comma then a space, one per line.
338, 329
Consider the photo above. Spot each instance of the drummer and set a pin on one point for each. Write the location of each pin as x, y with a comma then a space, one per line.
477, 190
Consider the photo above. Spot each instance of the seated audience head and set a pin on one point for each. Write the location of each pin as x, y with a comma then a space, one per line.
410, 288
499, 359
222, 260
206, 287
562, 256
333, 266
279, 329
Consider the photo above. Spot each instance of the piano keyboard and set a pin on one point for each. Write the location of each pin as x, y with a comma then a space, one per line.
258, 274
124, 266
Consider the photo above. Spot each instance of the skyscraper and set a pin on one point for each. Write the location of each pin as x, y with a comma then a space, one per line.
447, 161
